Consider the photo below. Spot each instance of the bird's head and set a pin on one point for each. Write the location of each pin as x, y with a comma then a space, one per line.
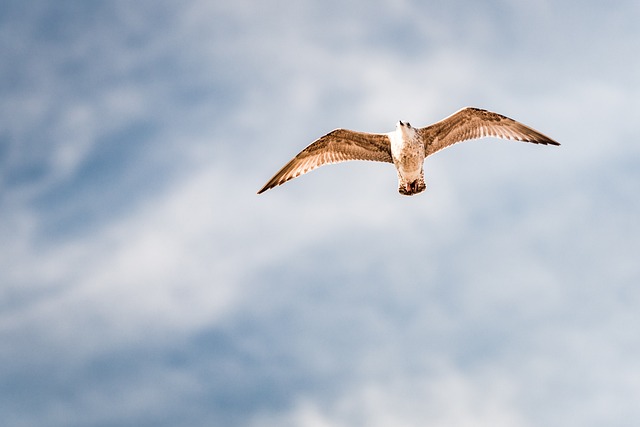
405, 128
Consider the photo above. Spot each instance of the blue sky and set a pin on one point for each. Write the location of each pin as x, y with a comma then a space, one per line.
144, 283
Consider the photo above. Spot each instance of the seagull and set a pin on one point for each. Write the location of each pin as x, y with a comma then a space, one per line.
406, 147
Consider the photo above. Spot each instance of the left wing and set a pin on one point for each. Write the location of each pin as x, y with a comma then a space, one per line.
473, 123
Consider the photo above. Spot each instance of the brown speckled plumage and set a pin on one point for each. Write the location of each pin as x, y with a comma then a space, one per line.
339, 145
406, 147
472, 123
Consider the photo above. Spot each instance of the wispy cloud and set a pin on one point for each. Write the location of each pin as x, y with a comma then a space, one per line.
141, 272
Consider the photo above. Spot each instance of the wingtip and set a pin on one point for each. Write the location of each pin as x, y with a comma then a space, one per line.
269, 185
550, 141
546, 142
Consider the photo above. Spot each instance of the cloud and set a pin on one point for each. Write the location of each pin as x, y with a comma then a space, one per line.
141, 272
448, 399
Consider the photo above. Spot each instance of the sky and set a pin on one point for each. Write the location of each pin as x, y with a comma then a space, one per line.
143, 282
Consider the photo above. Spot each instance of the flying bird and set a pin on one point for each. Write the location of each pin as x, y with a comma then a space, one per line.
406, 147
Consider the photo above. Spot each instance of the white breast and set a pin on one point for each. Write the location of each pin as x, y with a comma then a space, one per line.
407, 151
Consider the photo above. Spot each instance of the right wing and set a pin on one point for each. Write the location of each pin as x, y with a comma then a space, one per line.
339, 145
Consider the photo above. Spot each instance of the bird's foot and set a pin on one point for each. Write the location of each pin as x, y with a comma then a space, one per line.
411, 188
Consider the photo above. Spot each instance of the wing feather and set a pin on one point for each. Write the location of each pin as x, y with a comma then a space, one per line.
339, 145
473, 123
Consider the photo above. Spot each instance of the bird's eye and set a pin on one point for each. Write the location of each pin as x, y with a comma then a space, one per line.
408, 124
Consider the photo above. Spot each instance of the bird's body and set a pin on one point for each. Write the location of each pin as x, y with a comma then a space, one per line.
406, 147
408, 153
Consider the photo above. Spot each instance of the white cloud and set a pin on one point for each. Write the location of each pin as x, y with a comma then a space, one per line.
502, 296
157, 270
448, 398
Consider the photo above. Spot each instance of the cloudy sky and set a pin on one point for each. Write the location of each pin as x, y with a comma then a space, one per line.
144, 283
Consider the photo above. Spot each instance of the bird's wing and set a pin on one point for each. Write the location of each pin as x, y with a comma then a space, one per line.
339, 145
471, 123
